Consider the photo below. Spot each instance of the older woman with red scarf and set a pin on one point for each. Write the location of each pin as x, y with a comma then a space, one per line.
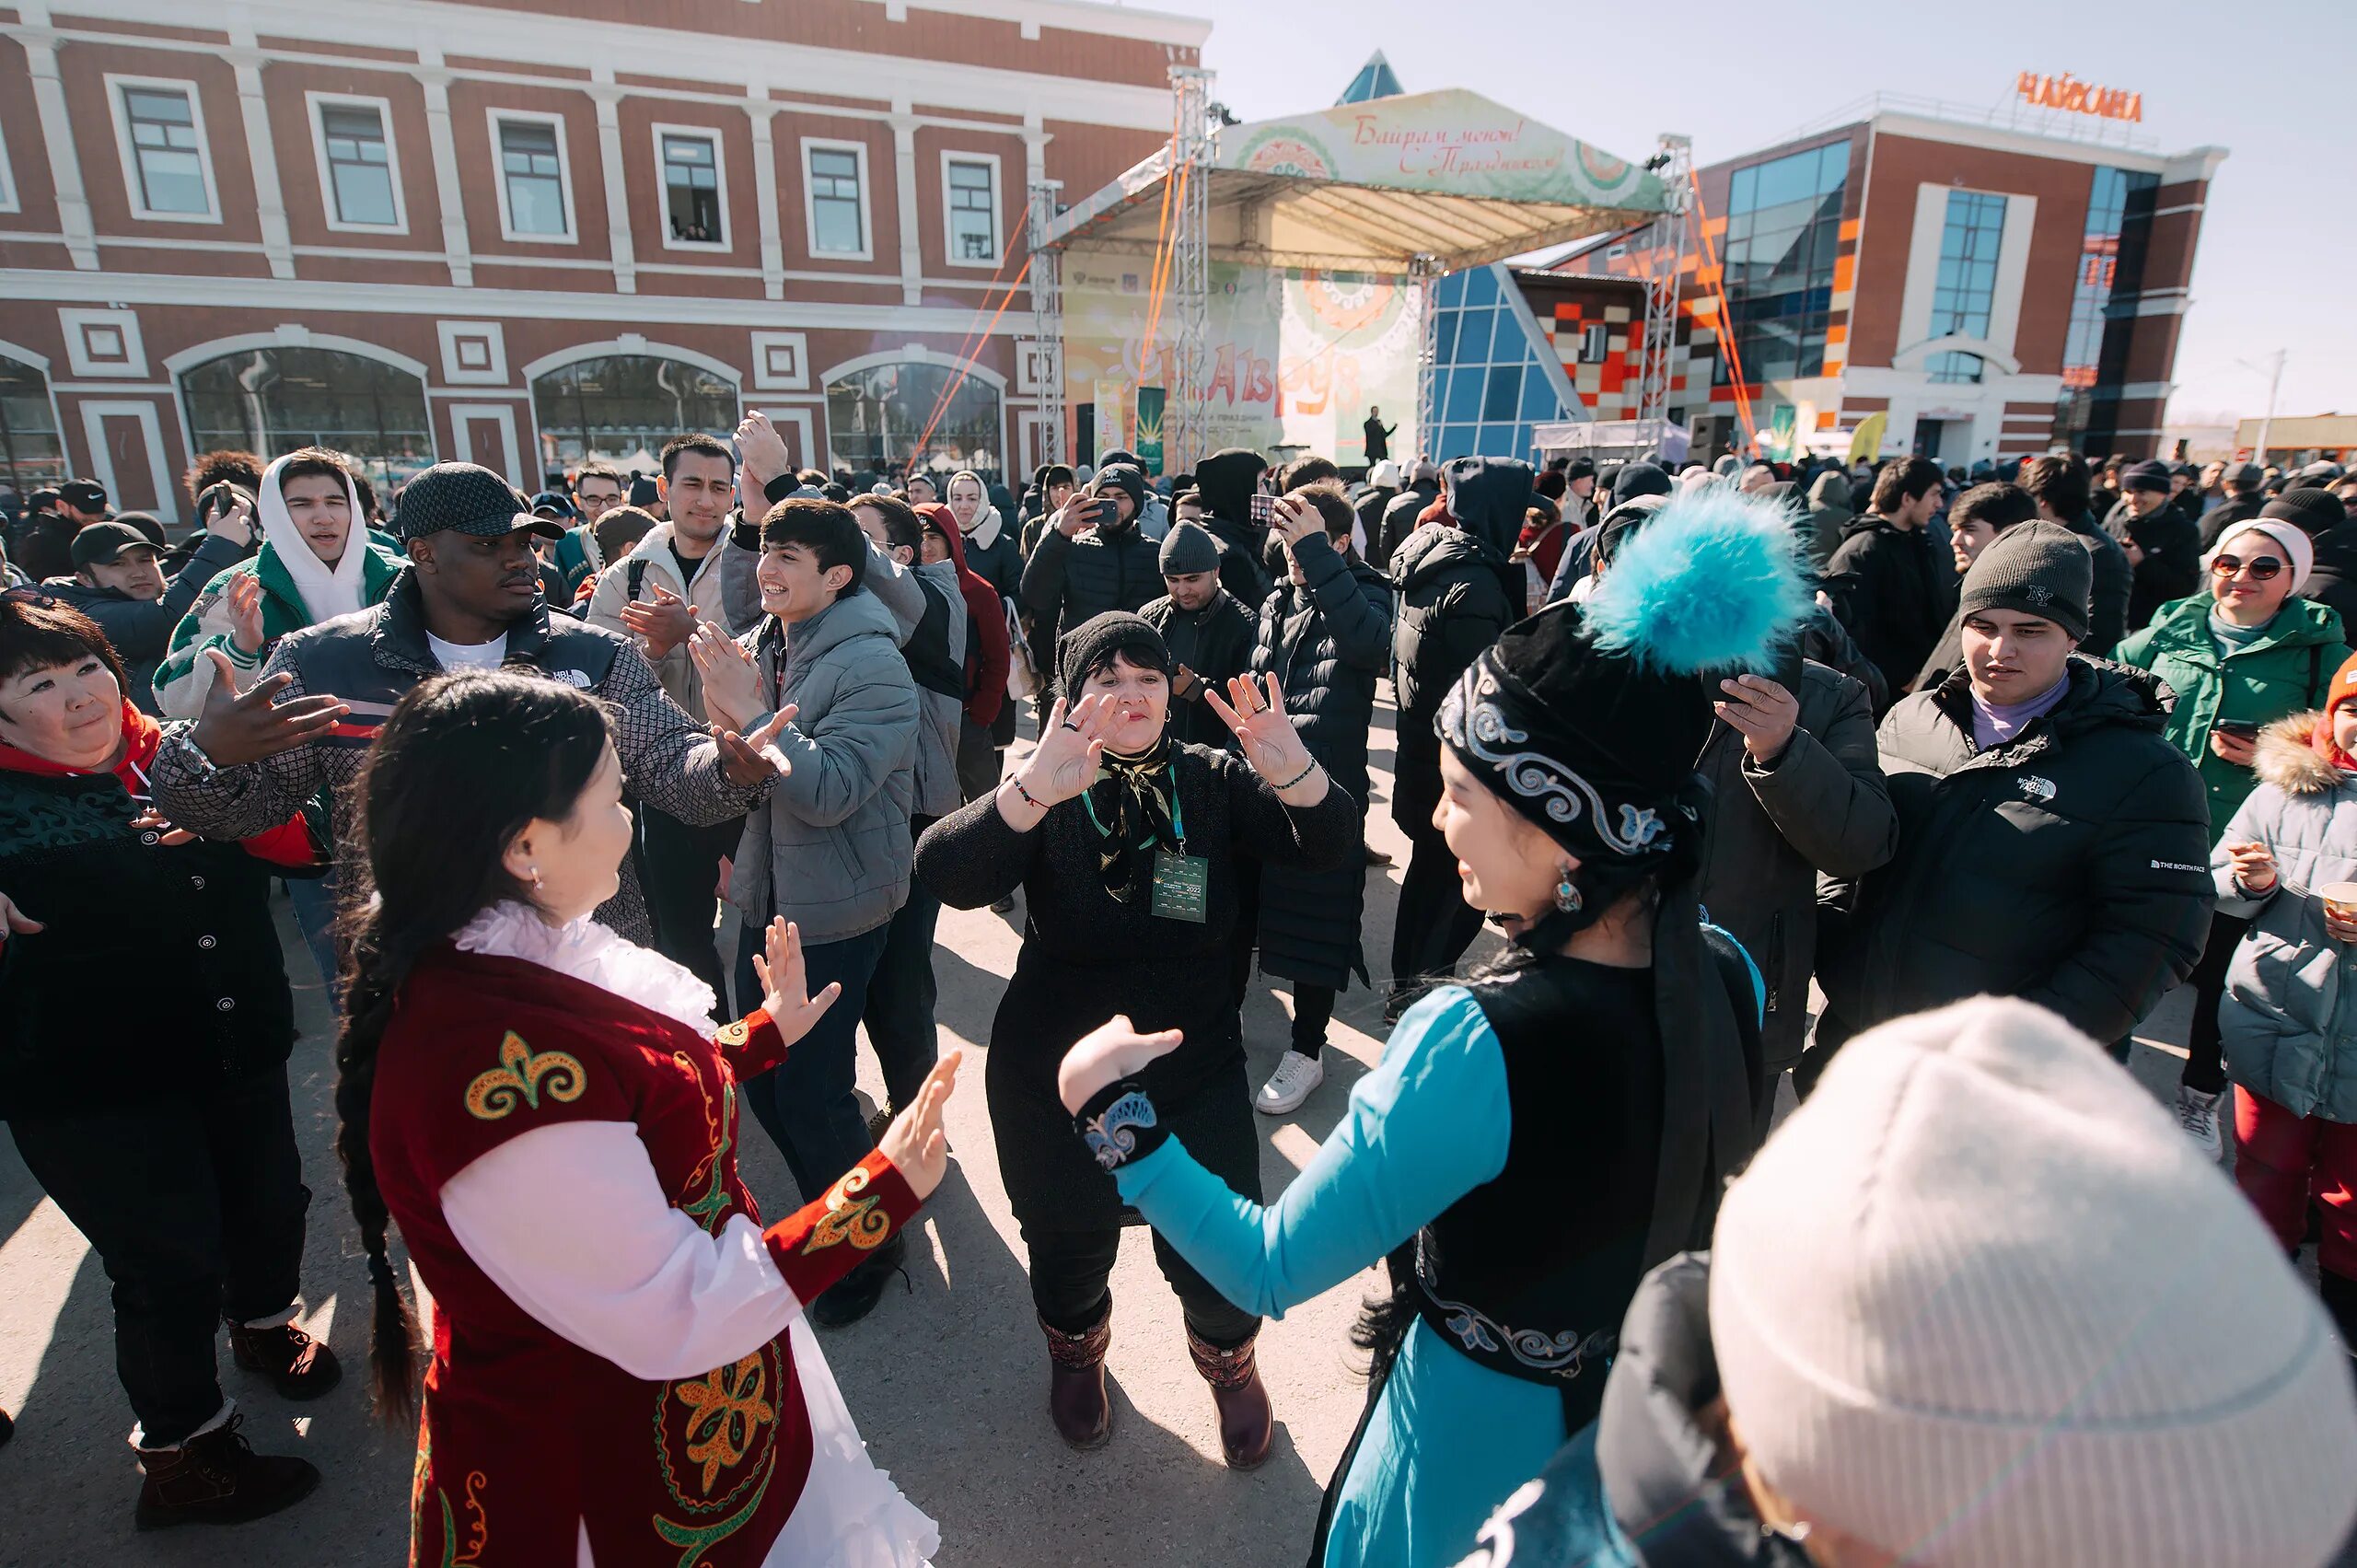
143, 1067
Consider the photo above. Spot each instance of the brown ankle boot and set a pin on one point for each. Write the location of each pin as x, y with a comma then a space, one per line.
1076, 1400
1247, 1423
215, 1478
298, 1365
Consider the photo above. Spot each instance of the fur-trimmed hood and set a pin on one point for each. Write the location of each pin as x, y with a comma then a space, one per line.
2288, 760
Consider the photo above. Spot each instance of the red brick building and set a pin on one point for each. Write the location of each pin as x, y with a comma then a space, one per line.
1994, 290
520, 233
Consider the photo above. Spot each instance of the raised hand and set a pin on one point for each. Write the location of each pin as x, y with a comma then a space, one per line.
732, 681
785, 985
15, 922
244, 601
1762, 712
236, 524
1296, 518
663, 622
1258, 716
1107, 1054
1064, 762
747, 759
235, 729
761, 450
915, 1144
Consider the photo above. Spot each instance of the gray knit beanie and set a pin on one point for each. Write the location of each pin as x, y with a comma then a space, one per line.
2036, 568
1981, 1304
1187, 548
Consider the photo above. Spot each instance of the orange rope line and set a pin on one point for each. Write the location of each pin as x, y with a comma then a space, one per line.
949, 393
974, 340
1165, 253
1724, 326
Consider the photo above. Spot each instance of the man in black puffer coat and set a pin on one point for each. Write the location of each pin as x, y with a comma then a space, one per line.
2052, 844
1454, 590
1226, 481
1091, 558
1399, 515
1208, 633
1325, 633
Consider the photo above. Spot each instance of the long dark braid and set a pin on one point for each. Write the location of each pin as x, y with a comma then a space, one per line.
464, 763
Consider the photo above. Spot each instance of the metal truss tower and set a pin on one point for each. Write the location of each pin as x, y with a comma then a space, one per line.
1047, 323
1185, 438
1424, 277
1664, 257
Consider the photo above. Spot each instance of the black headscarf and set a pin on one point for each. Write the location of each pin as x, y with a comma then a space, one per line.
1133, 804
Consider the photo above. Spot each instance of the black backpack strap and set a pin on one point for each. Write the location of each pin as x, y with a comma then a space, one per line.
633, 578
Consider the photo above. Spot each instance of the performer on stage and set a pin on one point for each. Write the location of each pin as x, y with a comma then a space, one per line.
1551, 1129
1125, 843
620, 1372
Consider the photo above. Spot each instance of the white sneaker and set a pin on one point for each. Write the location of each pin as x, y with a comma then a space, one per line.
1295, 1077
2198, 1114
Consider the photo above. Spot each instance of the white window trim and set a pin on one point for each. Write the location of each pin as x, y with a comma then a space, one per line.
866, 252
998, 199
132, 188
494, 117
317, 104
10, 201
720, 186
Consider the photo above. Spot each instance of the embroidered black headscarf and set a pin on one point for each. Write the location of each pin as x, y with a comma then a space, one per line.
1133, 803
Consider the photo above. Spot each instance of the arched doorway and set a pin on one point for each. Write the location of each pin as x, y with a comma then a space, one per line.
876, 414
272, 399
623, 407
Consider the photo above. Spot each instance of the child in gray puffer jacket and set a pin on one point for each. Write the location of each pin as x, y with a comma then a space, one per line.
2289, 1019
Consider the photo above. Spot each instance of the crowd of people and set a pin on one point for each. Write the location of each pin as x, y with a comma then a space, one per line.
607, 810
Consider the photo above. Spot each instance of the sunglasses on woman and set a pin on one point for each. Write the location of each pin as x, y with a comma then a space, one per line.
2261, 569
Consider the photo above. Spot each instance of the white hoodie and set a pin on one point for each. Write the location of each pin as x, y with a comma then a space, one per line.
327, 592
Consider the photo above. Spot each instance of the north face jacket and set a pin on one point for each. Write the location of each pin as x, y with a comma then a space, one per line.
2068, 866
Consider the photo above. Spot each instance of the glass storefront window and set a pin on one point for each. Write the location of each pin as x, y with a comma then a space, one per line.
30, 453
626, 406
1783, 232
272, 401
2111, 259
875, 417
1497, 376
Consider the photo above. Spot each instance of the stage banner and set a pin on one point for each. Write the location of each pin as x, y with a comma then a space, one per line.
1149, 442
1292, 358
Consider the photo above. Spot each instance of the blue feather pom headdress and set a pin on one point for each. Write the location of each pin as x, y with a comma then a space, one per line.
1588, 719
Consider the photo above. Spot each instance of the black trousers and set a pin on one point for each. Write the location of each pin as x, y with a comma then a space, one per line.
980, 759
195, 1206
1434, 925
1069, 1273
898, 1011
2205, 1062
1313, 1010
680, 870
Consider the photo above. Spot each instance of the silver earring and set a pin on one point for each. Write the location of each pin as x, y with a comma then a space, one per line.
1567, 898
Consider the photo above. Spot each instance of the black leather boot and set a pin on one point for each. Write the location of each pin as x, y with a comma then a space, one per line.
1246, 1421
298, 1365
1076, 1400
215, 1478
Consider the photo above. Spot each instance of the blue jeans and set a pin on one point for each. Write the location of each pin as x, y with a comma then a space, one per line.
805, 1104
315, 910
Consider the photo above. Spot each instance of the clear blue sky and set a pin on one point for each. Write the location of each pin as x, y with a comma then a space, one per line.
2261, 78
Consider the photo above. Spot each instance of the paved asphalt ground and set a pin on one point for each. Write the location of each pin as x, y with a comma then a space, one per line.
947, 1380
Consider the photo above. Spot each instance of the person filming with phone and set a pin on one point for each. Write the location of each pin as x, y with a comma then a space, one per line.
2240, 654
1091, 558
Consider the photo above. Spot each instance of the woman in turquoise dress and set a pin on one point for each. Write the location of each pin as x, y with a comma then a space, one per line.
1550, 1129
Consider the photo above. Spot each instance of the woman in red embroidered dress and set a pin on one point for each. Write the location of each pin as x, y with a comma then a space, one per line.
619, 1371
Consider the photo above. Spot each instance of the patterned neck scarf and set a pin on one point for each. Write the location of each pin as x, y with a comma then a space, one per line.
1134, 809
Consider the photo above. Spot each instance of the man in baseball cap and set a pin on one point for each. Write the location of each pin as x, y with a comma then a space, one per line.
84, 500
469, 600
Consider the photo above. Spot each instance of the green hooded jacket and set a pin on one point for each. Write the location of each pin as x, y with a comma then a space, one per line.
2286, 670
185, 675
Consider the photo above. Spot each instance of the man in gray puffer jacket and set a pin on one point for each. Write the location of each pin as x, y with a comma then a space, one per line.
830, 851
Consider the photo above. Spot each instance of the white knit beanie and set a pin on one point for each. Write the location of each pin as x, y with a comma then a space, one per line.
2299, 551
1980, 1304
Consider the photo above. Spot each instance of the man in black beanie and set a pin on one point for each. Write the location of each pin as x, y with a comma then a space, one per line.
1091, 558
2163, 544
1631, 481
2052, 843
1208, 633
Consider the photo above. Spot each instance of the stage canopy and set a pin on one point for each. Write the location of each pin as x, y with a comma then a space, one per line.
1368, 187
